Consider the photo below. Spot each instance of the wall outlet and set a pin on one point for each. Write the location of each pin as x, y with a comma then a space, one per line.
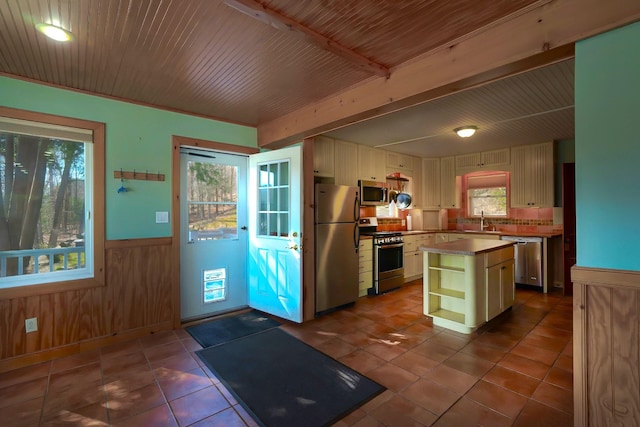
31, 325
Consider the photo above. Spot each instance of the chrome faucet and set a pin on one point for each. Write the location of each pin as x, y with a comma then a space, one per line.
483, 224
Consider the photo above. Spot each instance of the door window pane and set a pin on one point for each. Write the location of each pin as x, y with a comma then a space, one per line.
273, 203
212, 200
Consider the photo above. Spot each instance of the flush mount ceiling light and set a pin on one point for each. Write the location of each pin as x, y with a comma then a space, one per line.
55, 32
466, 131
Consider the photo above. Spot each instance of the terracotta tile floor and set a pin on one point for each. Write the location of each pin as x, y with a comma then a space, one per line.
516, 371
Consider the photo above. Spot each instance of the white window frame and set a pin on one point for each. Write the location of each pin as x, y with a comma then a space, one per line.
93, 273
469, 207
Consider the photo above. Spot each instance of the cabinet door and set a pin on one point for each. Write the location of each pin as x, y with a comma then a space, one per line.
532, 176
345, 155
449, 183
508, 285
399, 161
431, 183
494, 294
323, 156
468, 161
416, 183
371, 163
495, 158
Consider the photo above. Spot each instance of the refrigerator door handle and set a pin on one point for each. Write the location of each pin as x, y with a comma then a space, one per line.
356, 236
356, 209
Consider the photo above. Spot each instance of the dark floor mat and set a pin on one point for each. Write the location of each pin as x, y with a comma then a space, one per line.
284, 382
230, 328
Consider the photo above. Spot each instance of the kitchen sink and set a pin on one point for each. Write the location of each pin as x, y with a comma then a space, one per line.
482, 232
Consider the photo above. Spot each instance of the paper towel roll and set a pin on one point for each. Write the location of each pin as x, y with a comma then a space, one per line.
408, 222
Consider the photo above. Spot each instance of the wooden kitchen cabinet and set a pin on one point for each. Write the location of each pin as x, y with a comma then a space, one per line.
532, 176
413, 256
431, 184
365, 266
323, 156
500, 279
372, 164
345, 154
449, 184
399, 162
416, 183
485, 160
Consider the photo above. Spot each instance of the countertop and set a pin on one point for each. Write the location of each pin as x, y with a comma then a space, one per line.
497, 233
466, 246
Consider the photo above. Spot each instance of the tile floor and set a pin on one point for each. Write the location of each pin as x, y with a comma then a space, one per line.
516, 371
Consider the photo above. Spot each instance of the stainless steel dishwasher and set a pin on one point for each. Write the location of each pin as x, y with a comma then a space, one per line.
528, 259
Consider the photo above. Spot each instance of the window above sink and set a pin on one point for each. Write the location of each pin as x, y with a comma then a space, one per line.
487, 194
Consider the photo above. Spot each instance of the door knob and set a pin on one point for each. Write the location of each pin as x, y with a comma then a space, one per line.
293, 246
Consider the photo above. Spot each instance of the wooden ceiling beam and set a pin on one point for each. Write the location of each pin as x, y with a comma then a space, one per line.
539, 36
261, 12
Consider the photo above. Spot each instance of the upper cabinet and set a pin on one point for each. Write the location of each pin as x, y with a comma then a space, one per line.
323, 156
532, 175
485, 160
399, 162
372, 164
440, 185
449, 183
345, 171
431, 184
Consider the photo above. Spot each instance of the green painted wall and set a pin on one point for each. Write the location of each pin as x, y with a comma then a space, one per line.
607, 88
137, 138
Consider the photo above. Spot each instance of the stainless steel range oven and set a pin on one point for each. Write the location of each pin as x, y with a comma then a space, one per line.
388, 261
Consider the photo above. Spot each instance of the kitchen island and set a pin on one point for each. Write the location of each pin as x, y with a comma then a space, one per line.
467, 282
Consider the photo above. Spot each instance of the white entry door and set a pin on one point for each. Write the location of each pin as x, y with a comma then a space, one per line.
213, 231
275, 212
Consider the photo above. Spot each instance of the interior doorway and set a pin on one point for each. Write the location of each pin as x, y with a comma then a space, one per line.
569, 223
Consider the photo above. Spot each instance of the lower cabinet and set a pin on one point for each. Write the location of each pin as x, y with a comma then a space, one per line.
461, 292
413, 256
365, 266
500, 281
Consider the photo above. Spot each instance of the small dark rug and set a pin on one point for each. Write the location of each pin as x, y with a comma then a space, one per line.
230, 328
282, 381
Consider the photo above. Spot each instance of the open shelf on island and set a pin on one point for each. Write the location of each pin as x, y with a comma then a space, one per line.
445, 268
448, 315
446, 292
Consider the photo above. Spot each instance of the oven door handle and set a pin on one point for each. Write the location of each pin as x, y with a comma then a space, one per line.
392, 246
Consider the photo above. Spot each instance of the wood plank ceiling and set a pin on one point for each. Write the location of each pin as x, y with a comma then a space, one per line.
209, 58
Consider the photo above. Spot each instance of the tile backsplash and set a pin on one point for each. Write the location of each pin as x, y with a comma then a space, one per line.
522, 220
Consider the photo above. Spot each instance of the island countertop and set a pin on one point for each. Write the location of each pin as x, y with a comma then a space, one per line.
466, 246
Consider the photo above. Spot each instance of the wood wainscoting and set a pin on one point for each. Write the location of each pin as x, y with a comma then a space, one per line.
135, 301
606, 354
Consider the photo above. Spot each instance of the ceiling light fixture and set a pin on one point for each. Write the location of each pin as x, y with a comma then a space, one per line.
55, 32
466, 131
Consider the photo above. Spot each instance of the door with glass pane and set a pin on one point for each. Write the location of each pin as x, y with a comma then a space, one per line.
275, 212
213, 218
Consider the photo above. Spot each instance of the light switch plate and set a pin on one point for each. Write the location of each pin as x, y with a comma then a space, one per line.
31, 324
162, 217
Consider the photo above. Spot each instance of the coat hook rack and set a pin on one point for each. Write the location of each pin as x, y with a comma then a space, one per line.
141, 176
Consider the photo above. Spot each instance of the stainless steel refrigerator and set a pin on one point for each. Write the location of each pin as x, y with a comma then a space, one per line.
337, 210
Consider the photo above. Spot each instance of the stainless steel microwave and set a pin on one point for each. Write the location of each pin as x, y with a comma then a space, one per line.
373, 193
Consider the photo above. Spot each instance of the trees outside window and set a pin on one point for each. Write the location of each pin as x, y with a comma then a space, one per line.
487, 194
46, 201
